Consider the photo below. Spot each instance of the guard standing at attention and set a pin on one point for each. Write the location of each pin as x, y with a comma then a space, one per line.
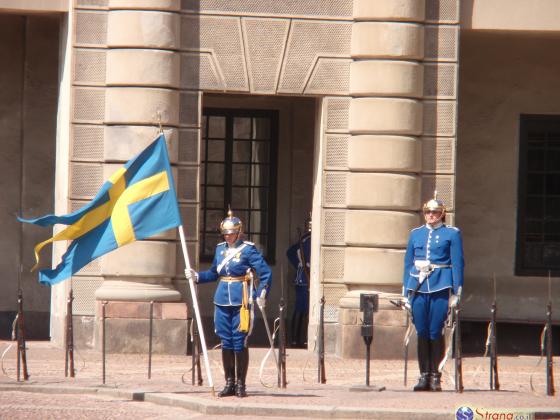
299, 256
433, 282
232, 265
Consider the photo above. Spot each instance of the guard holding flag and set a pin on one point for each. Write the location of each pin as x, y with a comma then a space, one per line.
232, 266
433, 281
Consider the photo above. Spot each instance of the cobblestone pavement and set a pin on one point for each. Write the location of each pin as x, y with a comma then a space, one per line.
171, 385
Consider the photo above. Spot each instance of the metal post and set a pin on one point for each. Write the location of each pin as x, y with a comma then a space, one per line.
21, 356
150, 339
69, 338
458, 355
103, 340
282, 339
321, 377
549, 355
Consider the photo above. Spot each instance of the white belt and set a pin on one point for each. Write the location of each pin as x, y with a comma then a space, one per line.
424, 268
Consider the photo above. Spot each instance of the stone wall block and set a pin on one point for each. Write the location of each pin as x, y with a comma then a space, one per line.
393, 10
387, 40
141, 258
174, 310
383, 191
384, 153
376, 228
383, 266
143, 29
385, 116
141, 106
140, 67
386, 78
169, 5
122, 142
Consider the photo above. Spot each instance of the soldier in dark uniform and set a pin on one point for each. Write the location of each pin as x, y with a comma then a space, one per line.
298, 255
232, 260
433, 281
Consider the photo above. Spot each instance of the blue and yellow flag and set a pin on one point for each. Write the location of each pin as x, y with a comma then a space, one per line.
136, 202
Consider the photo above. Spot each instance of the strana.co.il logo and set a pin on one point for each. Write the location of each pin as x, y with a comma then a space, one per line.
464, 413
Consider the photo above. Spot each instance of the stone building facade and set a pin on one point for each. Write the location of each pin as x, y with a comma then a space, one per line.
368, 107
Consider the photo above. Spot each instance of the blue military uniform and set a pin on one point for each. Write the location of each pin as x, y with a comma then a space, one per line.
301, 283
433, 265
228, 297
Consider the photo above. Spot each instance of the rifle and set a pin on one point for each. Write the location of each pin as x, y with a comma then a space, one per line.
302, 256
457, 348
21, 355
196, 377
282, 338
69, 353
549, 360
322, 379
494, 381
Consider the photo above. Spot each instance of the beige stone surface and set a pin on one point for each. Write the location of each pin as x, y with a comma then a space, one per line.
383, 191
116, 309
373, 266
143, 29
141, 106
171, 5
387, 40
391, 10
141, 67
171, 310
385, 116
122, 142
503, 75
386, 78
384, 153
522, 15
378, 228
141, 289
387, 342
20, 6
141, 258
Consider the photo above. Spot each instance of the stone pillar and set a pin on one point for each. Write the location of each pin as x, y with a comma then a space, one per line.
126, 80
142, 79
383, 186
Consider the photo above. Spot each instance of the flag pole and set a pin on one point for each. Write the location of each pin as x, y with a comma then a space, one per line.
196, 309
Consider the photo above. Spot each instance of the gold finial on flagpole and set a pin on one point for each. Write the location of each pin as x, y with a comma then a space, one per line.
159, 122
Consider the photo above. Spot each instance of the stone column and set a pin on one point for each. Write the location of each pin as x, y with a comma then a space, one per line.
142, 79
383, 186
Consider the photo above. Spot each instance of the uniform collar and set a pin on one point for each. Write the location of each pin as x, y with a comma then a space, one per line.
235, 245
434, 227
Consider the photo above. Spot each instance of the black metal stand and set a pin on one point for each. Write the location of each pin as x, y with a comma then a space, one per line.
368, 305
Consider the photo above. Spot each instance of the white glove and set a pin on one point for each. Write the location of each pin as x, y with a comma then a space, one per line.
261, 300
191, 275
406, 304
453, 301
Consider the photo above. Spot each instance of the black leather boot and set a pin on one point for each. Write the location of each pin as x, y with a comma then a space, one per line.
435, 382
297, 321
437, 350
242, 364
424, 365
228, 361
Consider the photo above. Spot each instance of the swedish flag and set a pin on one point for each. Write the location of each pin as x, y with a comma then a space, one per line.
137, 201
